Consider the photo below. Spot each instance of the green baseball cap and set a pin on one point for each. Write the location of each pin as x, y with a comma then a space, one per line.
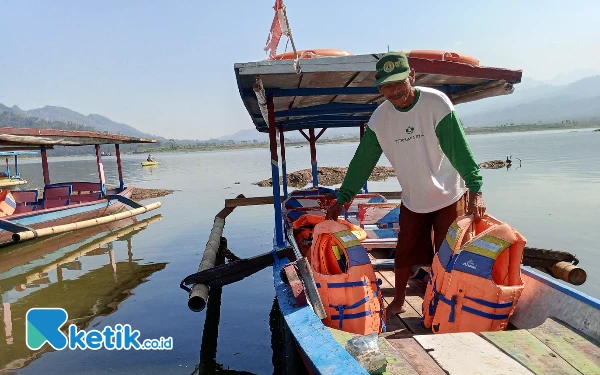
391, 67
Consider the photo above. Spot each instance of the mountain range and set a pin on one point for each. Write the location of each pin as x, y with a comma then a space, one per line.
532, 102
99, 122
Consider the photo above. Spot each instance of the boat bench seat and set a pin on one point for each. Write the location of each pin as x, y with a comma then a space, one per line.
79, 192
85, 192
317, 201
351, 208
27, 200
56, 196
384, 215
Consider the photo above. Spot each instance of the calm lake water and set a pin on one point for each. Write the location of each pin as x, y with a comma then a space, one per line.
132, 275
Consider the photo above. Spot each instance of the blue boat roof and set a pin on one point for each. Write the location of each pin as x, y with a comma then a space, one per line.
338, 91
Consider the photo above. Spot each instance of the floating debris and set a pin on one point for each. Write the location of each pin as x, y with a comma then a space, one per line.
327, 176
140, 194
494, 164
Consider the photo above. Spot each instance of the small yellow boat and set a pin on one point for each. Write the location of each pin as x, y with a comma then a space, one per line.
149, 163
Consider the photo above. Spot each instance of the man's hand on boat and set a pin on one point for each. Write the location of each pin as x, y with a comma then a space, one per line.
333, 212
476, 205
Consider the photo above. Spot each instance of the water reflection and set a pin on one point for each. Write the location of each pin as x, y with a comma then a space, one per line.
286, 360
76, 271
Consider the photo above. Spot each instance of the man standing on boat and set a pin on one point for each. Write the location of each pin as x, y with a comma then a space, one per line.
419, 132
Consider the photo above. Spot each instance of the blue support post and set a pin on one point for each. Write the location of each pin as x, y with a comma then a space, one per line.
283, 163
362, 134
279, 241
17, 175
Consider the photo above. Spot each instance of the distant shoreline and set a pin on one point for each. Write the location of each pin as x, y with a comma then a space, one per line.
469, 131
298, 143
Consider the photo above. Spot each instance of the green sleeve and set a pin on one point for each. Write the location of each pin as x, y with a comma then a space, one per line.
365, 158
454, 144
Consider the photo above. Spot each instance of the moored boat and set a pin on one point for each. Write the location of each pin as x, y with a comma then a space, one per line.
337, 92
8, 179
554, 328
64, 202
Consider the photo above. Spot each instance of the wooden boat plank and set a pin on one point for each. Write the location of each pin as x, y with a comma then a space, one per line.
469, 354
530, 352
396, 363
416, 356
411, 317
394, 325
544, 297
581, 352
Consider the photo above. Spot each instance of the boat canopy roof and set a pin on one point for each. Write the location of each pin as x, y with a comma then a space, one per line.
338, 91
17, 153
27, 138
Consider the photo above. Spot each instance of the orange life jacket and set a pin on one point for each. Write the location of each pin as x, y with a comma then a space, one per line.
8, 205
303, 231
475, 279
345, 279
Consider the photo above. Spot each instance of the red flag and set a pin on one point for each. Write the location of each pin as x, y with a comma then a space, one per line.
275, 33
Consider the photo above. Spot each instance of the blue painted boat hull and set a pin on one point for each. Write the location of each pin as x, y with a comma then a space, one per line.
45, 218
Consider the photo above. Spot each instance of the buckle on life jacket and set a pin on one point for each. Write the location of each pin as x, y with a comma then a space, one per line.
341, 308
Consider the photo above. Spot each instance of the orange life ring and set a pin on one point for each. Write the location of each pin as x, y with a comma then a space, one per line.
311, 53
444, 56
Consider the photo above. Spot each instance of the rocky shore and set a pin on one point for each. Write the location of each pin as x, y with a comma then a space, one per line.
328, 176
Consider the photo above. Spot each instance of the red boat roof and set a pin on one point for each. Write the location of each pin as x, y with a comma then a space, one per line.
27, 138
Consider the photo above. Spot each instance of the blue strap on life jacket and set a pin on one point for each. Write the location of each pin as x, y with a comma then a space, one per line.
347, 284
433, 302
471, 310
378, 282
341, 308
493, 305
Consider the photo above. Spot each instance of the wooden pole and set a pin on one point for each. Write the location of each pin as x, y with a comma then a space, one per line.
210, 333
258, 201
27, 235
283, 164
45, 169
100, 169
119, 166
313, 156
199, 294
279, 242
569, 273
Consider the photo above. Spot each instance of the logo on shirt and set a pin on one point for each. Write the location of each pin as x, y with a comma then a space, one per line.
407, 139
410, 130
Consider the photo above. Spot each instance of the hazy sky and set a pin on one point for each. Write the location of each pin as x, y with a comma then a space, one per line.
166, 67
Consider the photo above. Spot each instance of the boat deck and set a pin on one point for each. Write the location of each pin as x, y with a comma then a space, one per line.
552, 348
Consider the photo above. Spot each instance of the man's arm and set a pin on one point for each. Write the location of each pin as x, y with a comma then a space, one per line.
455, 146
365, 158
